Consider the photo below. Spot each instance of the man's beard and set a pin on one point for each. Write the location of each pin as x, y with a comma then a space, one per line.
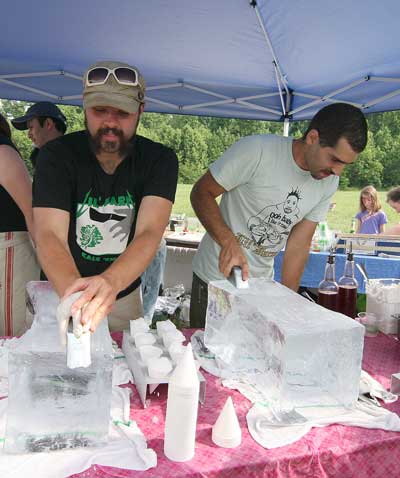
122, 147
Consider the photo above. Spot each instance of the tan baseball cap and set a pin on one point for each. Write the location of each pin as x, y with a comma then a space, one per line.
124, 97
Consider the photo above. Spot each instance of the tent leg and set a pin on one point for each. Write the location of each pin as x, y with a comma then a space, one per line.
286, 126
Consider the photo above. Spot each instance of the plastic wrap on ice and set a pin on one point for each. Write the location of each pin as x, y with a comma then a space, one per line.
52, 407
294, 352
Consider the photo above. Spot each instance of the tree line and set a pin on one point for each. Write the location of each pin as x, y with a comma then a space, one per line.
198, 141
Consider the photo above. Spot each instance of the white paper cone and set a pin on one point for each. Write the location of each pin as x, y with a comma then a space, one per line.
226, 431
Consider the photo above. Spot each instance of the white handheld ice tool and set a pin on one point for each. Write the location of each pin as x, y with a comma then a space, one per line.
77, 342
236, 278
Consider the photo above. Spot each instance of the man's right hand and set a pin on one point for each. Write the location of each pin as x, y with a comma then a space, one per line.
98, 295
232, 255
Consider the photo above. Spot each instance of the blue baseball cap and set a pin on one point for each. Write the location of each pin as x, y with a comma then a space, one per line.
43, 108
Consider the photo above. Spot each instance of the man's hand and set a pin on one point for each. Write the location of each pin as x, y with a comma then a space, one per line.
98, 296
232, 255
63, 318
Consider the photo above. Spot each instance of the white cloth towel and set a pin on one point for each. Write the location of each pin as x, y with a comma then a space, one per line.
375, 389
127, 448
260, 421
121, 372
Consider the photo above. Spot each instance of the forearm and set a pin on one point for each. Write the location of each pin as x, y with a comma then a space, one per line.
293, 265
296, 253
56, 261
133, 261
209, 214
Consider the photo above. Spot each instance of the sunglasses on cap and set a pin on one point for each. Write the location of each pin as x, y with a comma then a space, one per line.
124, 75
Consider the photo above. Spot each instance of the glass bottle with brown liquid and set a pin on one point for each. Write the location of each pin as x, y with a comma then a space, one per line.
328, 288
347, 297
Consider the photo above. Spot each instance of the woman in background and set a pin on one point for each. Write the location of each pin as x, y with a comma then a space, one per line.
371, 219
18, 263
393, 199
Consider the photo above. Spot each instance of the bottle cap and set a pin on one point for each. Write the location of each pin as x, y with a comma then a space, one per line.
350, 255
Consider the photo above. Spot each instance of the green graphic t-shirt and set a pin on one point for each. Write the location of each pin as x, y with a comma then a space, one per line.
103, 207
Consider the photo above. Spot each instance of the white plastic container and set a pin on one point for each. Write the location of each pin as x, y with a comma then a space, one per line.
383, 299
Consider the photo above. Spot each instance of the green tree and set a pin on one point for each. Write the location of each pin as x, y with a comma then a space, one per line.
198, 141
367, 169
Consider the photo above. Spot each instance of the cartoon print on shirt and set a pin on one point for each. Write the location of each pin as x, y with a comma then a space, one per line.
270, 227
103, 225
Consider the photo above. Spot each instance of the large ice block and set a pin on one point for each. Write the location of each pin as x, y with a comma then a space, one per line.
50, 406
291, 351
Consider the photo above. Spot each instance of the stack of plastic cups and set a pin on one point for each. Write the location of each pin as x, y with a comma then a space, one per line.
182, 406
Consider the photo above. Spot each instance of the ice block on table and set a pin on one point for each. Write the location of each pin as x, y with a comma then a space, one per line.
291, 351
50, 406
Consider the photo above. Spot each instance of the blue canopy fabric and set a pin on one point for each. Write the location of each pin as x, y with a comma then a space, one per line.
254, 59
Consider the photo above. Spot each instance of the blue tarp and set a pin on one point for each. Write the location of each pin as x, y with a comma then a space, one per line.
263, 59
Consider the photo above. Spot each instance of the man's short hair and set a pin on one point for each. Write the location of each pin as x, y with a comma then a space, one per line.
60, 126
340, 120
393, 195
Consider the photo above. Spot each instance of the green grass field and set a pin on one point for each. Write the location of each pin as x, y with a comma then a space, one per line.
339, 219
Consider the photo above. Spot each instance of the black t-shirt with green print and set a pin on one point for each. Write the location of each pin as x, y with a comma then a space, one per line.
103, 207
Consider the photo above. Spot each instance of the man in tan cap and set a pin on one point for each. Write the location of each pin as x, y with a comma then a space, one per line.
102, 199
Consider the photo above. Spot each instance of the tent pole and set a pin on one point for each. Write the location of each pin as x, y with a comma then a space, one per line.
286, 127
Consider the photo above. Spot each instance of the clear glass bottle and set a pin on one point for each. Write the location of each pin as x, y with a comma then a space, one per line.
315, 241
353, 226
347, 297
323, 239
328, 288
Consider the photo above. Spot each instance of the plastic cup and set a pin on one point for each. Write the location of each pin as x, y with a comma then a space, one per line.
159, 368
371, 323
144, 338
138, 326
149, 352
164, 326
173, 336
